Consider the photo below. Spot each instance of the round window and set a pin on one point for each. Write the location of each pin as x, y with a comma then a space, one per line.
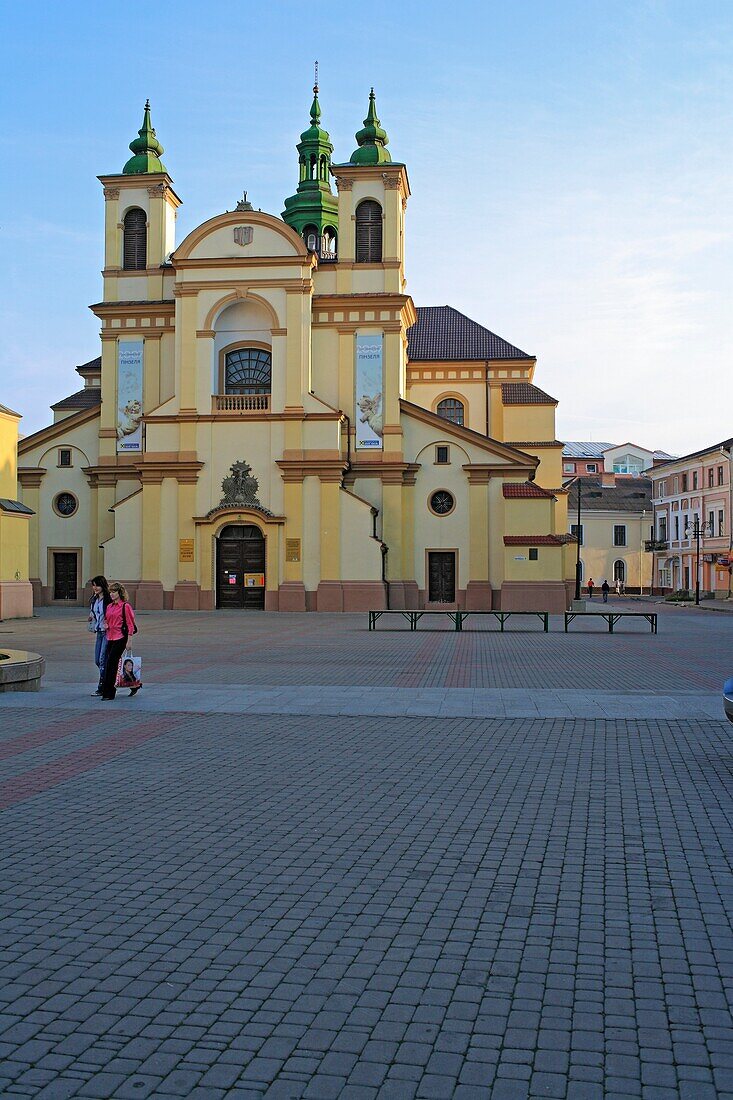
442, 502
65, 504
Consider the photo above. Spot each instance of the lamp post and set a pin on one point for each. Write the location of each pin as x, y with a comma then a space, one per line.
577, 553
696, 530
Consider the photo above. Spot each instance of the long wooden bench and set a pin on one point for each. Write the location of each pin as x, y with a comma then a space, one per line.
612, 617
413, 617
458, 617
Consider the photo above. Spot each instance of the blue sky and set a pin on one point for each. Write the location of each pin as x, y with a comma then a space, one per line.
570, 165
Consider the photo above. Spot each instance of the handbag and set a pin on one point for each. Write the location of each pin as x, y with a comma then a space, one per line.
129, 672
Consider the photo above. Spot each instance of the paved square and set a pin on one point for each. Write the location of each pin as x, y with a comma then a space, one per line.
219, 889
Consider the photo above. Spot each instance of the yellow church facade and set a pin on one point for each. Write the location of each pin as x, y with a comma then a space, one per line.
272, 423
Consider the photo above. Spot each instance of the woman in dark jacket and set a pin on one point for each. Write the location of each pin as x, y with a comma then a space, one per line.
98, 625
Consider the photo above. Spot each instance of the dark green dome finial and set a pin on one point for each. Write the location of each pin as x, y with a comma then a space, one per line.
372, 139
313, 206
146, 150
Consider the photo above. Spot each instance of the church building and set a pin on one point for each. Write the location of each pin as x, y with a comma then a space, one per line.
272, 422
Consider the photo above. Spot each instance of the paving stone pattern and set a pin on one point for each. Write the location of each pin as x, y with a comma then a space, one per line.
216, 905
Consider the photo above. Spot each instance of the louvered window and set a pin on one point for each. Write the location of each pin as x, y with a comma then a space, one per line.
248, 370
135, 252
368, 232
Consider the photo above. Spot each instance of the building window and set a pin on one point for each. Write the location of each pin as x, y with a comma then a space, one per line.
442, 455
568, 467
665, 578
676, 485
721, 523
65, 456
619, 534
720, 475
442, 502
533, 553
248, 370
694, 479
619, 570
685, 525
711, 477
627, 464
684, 483
577, 531
65, 504
662, 528
591, 468
451, 409
135, 244
711, 523
677, 528
369, 232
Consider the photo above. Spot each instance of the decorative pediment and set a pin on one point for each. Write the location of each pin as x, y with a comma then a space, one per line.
239, 489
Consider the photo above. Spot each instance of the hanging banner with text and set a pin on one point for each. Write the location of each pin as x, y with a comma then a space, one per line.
129, 395
369, 413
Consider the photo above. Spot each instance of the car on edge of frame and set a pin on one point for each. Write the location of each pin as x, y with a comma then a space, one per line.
728, 699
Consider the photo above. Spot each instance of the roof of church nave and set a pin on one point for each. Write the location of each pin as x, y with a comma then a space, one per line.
442, 332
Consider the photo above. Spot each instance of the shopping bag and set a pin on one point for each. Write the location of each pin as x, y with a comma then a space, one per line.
129, 672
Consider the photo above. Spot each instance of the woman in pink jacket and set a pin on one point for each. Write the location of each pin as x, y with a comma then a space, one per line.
120, 620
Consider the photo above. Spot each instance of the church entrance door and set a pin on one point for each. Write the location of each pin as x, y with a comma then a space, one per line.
240, 568
441, 576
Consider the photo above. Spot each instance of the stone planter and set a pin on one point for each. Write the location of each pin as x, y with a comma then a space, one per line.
20, 670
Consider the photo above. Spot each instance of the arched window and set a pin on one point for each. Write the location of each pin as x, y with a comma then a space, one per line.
311, 237
369, 232
324, 169
135, 240
451, 409
248, 370
619, 571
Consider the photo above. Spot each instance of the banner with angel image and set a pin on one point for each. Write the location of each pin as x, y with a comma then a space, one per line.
369, 410
129, 395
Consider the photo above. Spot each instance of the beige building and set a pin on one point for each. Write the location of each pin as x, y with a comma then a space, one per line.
16, 595
616, 522
272, 423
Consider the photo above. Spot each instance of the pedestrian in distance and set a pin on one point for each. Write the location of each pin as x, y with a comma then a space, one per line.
619, 587
591, 586
605, 589
97, 625
120, 626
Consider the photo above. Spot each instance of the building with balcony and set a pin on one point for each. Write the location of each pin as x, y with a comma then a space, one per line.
272, 422
689, 493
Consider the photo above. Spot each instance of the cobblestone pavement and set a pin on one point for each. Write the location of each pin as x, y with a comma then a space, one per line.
211, 904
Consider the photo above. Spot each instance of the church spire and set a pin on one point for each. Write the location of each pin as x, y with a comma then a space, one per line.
146, 150
372, 139
313, 209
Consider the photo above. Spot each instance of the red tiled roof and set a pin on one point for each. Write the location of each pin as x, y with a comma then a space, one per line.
537, 540
525, 393
526, 489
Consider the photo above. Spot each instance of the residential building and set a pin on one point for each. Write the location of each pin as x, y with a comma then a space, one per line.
588, 459
694, 488
272, 423
615, 524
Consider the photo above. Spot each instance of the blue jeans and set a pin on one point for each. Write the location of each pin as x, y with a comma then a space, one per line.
100, 654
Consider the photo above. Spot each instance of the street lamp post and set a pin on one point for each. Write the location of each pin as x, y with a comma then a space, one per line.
696, 531
577, 552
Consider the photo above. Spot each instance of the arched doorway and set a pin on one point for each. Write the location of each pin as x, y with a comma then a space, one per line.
240, 568
619, 571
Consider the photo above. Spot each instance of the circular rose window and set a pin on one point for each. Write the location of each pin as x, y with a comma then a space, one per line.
442, 502
65, 504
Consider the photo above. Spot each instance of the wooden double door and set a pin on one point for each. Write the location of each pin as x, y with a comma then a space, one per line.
64, 575
441, 576
240, 568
